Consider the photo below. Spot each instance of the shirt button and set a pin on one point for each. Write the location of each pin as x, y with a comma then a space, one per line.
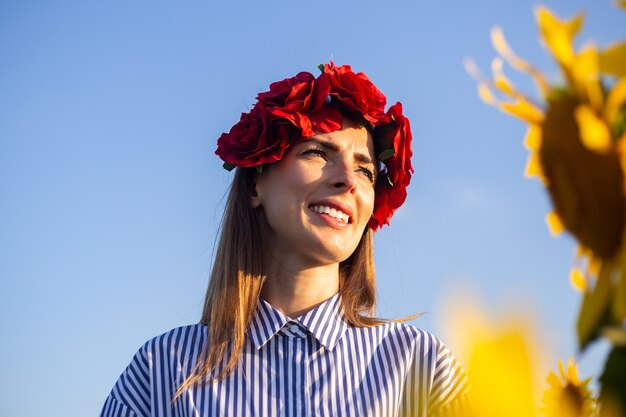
294, 327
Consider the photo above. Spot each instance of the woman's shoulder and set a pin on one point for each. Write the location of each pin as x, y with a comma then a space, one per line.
449, 386
185, 338
415, 334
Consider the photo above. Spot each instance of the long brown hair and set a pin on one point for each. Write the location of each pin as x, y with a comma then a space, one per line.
237, 278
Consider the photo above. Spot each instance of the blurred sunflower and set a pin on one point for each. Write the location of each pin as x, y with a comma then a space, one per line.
567, 395
505, 357
577, 143
500, 369
502, 355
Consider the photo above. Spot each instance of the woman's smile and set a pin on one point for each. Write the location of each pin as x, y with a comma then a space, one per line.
335, 214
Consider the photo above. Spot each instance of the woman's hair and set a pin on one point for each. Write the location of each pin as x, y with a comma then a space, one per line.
238, 275
292, 109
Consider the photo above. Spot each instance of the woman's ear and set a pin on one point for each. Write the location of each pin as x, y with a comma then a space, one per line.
255, 199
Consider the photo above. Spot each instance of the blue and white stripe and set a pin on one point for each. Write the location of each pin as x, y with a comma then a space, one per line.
316, 365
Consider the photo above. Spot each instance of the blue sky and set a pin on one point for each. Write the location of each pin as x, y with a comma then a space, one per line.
111, 196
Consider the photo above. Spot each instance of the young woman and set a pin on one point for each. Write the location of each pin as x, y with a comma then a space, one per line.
288, 326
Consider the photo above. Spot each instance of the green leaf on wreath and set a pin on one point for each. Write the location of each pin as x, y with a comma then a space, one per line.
228, 167
387, 153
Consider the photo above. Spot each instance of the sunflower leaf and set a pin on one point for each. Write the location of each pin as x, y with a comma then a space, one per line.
595, 310
613, 378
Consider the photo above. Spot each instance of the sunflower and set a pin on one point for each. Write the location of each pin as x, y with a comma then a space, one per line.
577, 148
567, 395
502, 356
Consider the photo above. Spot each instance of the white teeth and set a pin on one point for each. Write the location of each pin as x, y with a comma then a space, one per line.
332, 212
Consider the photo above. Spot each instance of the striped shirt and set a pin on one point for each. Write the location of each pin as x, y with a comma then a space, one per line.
315, 365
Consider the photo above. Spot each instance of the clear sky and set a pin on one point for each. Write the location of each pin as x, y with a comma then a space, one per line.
110, 194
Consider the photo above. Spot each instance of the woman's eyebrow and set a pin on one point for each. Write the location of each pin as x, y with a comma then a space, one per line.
359, 156
362, 158
326, 144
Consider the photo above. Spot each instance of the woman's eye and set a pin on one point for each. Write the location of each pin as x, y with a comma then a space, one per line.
315, 151
368, 173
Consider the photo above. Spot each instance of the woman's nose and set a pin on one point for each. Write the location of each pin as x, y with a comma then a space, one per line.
344, 176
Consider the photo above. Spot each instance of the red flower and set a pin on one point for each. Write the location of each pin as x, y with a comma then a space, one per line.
391, 191
258, 138
300, 100
303, 105
356, 93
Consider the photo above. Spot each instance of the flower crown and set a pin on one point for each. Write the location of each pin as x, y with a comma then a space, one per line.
298, 107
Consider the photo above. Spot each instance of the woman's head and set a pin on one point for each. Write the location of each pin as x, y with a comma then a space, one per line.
318, 199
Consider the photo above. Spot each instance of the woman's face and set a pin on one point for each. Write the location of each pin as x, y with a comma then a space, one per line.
318, 199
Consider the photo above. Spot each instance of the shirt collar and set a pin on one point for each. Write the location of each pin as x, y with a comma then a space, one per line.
326, 322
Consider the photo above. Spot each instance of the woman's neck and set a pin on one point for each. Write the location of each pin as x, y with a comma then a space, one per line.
294, 290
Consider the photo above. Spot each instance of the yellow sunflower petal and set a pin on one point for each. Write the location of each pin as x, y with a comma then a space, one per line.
615, 100
558, 35
578, 280
500, 44
562, 369
500, 80
584, 71
472, 68
594, 133
533, 167
594, 265
532, 140
553, 380
484, 92
523, 109
554, 223
572, 371
613, 60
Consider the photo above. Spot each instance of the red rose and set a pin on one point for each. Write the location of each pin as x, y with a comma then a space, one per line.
390, 194
386, 202
258, 138
356, 93
300, 100
399, 165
